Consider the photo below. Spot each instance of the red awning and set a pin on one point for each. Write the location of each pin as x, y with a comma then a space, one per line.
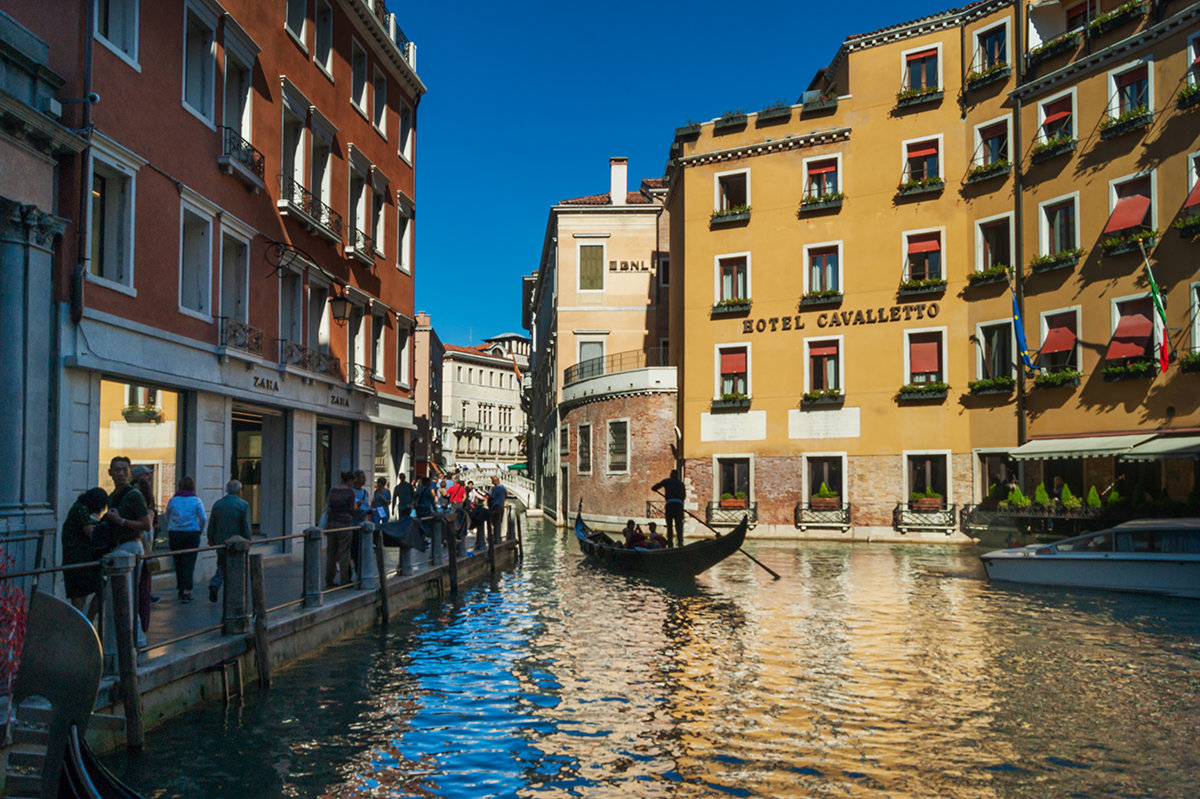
922, 54
1129, 212
922, 150
1194, 197
733, 362
1058, 339
823, 349
1132, 339
992, 131
1131, 77
1059, 109
1057, 115
924, 243
923, 358
822, 170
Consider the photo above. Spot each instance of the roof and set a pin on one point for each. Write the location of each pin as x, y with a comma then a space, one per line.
507, 336
483, 353
631, 198
947, 12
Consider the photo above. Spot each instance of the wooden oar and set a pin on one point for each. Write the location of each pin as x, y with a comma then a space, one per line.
767, 568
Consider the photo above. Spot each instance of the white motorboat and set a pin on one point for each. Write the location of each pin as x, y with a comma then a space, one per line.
1148, 556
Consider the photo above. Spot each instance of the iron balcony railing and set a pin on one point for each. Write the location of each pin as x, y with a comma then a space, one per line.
359, 375
240, 336
361, 244
730, 515
308, 204
909, 517
617, 362
236, 149
823, 515
308, 359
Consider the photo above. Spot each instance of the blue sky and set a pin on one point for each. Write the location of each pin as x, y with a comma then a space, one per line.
527, 101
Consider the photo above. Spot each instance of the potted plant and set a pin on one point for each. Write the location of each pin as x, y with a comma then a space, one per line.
1093, 498
985, 171
775, 112
922, 285
1125, 121
688, 131
1041, 496
732, 305
914, 96
1068, 500
142, 414
1053, 378
1056, 260
1017, 499
1188, 96
1117, 17
1001, 384
977, 79
821, 297
1129, 369
934, 389
1048, 148
825, 100
734, 399
1129, 241
993, 274
1188, 226
828, 396
830, 199
920, 186
1056, 46
825, 499
927, 501
1190, 361
733, 501
734, 213
730, 120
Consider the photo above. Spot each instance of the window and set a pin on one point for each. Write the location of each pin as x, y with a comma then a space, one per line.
323, 53
404, 230
295, 17
405, 136
1058, 227
1133, 337
318, 317
358, 208
618, 445
824, 373
379, 117
824, 471
378, 344
199, 62
994, 243
733, 278
238, 76
1191, 205
591, 267
1058, 119
591, 359
925, 358
733, 478
291, 306
735, 372
823, 272
320, 182
1132, 206
358, 77
991, 48
924, 260
1130, 91
1059, 341
378, 205
1193, 60
292, 155
664, 271
117, 26
927, 474
195, 262
235, 275
1077, 16
111, 222
585, 448
822, 178
996, 350
922, 160
356, 343
992, 144
564, 440
921, 70
732, 190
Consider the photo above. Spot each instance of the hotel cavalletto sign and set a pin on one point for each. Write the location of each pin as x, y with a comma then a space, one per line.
828, 319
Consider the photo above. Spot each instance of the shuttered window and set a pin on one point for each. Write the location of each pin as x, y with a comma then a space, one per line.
618, 446
591, 267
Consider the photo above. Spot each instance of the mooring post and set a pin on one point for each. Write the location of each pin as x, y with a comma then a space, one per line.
452, 553
108, 617
236, 617
377, 540
258, 602
120, 566
368, 575
480, 535
312, 567
435, 559
406, 560
520, 537
510, 518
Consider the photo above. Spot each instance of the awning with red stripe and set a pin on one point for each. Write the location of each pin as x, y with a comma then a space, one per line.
733, 362
1059, 109
922, 54
1132, 338
928, 243
921, 150
1058, 339
1194, 197
1129, 212
923, 357
823, 169
1131, 77
823, 349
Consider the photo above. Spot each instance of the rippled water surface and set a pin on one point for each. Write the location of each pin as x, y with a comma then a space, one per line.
868, 670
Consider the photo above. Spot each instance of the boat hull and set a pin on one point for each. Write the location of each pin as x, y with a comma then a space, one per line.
687, 561
1145, 574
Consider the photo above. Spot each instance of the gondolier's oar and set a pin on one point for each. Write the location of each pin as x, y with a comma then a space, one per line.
767, 568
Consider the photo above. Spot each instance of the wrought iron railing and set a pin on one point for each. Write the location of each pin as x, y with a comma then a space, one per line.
359, 375
823, 515
235, 148
310, 360
310, 205
617, 362
361, 243
655, 509
726, 513
240, 336
910, 517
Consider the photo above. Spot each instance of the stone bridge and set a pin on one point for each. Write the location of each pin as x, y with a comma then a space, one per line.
519, 486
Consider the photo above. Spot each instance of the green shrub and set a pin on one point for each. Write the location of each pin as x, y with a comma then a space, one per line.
1016, 499
825, 492
996, 492
1068, 499
1138, 500
1041, 496
1114, 498
1093, 498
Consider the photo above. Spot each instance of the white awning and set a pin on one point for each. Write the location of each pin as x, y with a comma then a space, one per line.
1168, 447
1086, 447
466, 464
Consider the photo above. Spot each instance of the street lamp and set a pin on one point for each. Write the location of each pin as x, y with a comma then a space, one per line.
339, 307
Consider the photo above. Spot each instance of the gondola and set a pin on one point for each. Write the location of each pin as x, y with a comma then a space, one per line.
686, 561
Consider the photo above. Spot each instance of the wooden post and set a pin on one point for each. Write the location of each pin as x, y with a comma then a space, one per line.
520, 537
258, 601
493, 534
435, 559
236, 617
406, 561
452, 549
377, 540
120, 567
312, 567
368, 576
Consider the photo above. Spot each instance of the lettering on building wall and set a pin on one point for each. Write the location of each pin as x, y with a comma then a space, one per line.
869, 316
341, 402
266, 383
628, 266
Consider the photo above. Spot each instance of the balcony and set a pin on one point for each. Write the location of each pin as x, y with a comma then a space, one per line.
316, 216
310, 360
360, 246
913, 517
360, 376
833, 514
240, 336
617, 362
239, 157
723, 514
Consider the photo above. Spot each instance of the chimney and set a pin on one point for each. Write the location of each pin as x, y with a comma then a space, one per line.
619, 169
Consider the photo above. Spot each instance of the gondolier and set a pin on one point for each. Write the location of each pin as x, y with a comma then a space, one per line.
675, 492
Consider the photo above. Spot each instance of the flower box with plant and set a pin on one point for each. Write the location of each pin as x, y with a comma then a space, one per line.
826, 100
733, 501
1016, 500
1001, 384
1190, 361
1117, 17
985, 171
996, 72
926, 501
1054, 378
931, 285
1069, 500
142, 414
920, 186
734, 213
832, 199
825, 499
1129, 241
827, 396
1062, 259
928, 94
934, 389
688, 131
1129, 369
777, 111
1056, 46
821, 297
993, 274
732, 305
1188, 226
730, 120
732, 400
1125, 121
1188, 96
1046, 149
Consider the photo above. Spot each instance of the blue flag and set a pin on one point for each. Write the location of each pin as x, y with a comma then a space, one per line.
1019, 327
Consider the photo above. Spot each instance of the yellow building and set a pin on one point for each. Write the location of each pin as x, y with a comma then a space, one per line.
841, 277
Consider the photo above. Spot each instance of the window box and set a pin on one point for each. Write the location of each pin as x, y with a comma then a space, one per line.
774, 113
1188, 96
731, 120
912, 392
688, 131
997, 72
927, 286
731, 402
1116, 18
995, 274
1132, 119
1126, 243
1050, 148
991, 385
1056, 378
833, 502
830, 396
1190, 361
910, 97
732, 306
1059, 260
1117, 371
822, 202
1189, 226
822, 103
728, 216
920, 186
986, 171
731, 502
142, 414
925, 504
829, 297
1050, 49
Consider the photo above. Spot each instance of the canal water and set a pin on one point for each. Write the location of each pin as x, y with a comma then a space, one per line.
868, 670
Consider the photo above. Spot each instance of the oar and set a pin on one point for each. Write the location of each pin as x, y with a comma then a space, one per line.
767, 568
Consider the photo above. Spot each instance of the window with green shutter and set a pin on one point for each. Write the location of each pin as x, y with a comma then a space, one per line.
591, 267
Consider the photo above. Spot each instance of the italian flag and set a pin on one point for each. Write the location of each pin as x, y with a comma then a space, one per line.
1164, 347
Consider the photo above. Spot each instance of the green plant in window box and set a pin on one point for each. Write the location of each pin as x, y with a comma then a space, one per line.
992, 385
1041, 496
823, 394
1069, 500
1188, 226
1055, 45
1017, 499
1190, 361
734, 396
914, 94
733, 303
916, 184
818, 296
1052, 378
1189, 95
828, 197
923, 284
1132, 115
1130, 370
731, 212
1118, 16
1052, 145
917, 389
825, 492
982, 75
988, 170
1043, 263
993, 274
1129, 241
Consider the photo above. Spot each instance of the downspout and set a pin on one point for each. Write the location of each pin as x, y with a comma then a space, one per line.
81, 266
962, 67
1018, 210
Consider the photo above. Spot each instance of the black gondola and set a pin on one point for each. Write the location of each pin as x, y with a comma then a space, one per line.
686, 561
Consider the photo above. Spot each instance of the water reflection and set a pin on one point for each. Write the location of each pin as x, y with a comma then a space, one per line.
866, 671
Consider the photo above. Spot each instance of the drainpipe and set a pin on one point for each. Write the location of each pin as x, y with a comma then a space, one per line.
1018, 209
962, 67
80, 269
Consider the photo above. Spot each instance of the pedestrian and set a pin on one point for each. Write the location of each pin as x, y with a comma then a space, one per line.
230, 516
78, 546
339, 510
141, 477
362, 501
477, 507
403, 499
496, 500
424, 499
456, 494
185, 519
382, 501
129, 515
675, 493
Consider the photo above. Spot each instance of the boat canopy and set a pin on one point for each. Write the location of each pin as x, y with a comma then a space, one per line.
1167, 447
1086, 447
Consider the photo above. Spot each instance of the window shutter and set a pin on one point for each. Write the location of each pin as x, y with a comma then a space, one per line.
924, 356
591, 267
733, 362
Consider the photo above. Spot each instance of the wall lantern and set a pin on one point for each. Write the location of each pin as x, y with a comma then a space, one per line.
339, 307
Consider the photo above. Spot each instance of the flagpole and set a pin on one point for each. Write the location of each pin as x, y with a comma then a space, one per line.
1165, 350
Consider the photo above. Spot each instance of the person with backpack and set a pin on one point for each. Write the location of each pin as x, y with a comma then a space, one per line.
81, 545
